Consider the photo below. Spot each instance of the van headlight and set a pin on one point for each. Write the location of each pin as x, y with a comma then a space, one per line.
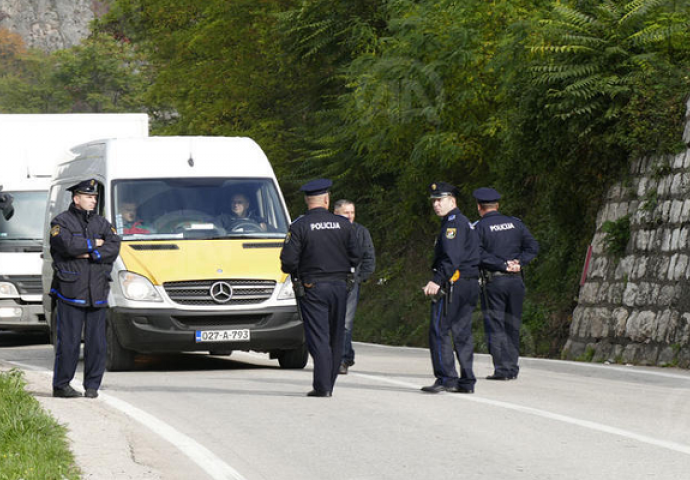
138, 287
286, 291
8, 290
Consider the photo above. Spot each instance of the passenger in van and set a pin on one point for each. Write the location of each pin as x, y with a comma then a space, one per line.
131, 224
240, 212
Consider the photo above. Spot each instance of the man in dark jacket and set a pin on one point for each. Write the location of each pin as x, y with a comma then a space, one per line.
84, 246
506, 247
320, 251
366, 267
454, 286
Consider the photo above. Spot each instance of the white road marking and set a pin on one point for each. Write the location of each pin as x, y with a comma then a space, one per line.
203, 457
676, 447
625, 369
219, 470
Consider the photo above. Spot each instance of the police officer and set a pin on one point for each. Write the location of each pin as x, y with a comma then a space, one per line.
320, 251
84, 246
506, 247
454, 287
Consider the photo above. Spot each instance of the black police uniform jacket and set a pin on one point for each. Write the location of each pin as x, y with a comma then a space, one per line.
83, 282
367, 264
457, 248
320, 246
504, 238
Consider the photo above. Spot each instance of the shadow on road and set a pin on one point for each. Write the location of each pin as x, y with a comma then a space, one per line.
23, 339
182, 362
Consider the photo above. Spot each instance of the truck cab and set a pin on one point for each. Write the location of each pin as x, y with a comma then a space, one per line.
20, 255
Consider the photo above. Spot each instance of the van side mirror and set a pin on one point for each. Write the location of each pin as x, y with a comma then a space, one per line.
6, 205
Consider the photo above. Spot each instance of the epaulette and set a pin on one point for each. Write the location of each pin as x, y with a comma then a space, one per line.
296, 219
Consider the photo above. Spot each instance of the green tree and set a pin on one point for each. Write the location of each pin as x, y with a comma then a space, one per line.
600, 56
101, 74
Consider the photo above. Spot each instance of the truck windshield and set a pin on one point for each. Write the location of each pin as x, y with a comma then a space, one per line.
198, 208
26, 225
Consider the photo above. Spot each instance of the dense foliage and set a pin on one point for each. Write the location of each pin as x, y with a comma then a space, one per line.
545, 100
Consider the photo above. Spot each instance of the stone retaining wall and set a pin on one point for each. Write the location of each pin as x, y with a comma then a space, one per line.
636, 309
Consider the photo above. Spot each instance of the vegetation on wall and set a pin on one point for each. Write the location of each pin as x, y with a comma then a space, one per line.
544, 100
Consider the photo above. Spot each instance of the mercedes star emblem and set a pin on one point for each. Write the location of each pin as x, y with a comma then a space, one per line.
221, 292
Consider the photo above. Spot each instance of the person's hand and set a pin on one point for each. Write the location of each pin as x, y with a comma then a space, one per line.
431, 289
99, 242
83, 255
513, 266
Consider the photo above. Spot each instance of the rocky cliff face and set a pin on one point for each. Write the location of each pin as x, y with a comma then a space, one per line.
637, 308
49, 24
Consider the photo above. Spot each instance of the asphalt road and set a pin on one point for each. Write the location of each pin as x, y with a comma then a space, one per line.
242, 417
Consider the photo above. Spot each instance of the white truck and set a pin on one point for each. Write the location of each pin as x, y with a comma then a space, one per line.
30, 147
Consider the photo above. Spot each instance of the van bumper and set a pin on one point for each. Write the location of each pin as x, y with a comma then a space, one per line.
161, 331
20, 316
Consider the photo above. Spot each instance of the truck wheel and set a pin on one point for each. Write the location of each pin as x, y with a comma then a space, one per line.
294, 359
117, 359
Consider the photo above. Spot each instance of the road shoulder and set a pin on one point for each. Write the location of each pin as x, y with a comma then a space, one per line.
106, 443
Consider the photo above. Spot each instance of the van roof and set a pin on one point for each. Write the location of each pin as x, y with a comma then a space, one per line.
165, 157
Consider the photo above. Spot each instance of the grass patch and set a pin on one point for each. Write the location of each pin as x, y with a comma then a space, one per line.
32, 444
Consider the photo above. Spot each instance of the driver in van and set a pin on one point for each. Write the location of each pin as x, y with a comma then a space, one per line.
240, 210
130, 223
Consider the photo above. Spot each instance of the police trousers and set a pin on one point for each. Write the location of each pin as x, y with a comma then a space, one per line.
70, 322
323, 312
502, 309
451, 330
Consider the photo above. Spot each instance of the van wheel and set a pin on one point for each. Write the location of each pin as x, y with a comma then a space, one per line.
117, 359
294, 359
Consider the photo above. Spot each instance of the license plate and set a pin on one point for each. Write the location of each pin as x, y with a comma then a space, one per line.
222, 335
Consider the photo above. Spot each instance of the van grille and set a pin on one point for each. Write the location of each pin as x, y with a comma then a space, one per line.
26, 284
198, 292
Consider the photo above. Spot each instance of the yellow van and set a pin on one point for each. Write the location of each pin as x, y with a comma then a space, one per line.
202, 221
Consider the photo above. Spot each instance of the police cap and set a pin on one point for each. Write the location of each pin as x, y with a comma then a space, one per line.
316, 187
486, 195
87, 186
442, 189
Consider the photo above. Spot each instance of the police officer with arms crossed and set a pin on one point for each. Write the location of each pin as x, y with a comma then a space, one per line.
84, 246
320, 251
454, 287
366, 267
506, 247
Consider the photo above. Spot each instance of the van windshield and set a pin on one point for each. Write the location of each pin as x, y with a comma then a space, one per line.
25, 227
198, 208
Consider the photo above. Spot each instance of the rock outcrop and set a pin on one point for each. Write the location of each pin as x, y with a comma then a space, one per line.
49, 25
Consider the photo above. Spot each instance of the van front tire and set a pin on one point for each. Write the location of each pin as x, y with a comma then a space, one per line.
294, 359
117, 359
